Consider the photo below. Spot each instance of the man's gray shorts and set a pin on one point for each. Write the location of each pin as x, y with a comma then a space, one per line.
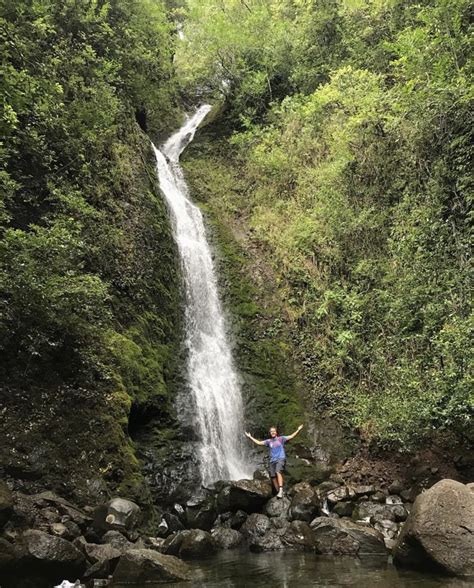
277, 466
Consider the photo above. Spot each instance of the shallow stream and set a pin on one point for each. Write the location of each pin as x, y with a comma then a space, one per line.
235, 569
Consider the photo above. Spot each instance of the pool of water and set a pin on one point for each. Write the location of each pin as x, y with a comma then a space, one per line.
234, 569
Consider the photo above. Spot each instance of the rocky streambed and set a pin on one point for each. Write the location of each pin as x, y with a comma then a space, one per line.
46, 539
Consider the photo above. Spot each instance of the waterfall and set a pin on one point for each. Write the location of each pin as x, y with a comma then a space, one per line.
212, 378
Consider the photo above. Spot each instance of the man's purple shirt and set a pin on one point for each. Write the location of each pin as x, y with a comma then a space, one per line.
277, 451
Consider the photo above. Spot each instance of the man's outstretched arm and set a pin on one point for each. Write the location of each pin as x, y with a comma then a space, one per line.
256, 441
288, 437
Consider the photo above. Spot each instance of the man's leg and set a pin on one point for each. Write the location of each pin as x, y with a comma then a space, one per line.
273, 476
275, 482
279, 478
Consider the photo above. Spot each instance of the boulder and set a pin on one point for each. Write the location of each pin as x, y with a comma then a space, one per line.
173, 522
298, 535
343, 509
145, 566
439, 531
40, 559
119, 514
6, 503
373, 511
117, 540
238, 519
269, 542
247, 495
227, 538
99, 553
277, 507
256, 525
344, 537
201, 512
338, 495
396, 487
197, 544
304, 505
172, 544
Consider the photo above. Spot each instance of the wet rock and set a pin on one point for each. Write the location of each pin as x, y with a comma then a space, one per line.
145, 566
343, 509
6, 503
277, 507
172, 544
269, 542
201, 512
298, 535
304, 505
344, 537
247, 495
238, 519
440, 530
227, 538
256, 525
197, 544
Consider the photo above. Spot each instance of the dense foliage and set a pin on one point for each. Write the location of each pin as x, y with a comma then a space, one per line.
352, 136
89, 286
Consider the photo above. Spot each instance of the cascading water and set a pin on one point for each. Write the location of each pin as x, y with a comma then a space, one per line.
212, 378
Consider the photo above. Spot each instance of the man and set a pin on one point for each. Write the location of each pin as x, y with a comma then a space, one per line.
277, 455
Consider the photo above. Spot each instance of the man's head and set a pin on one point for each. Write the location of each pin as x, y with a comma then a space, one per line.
273, 432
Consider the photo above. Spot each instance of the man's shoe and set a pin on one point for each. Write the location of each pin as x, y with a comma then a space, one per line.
280, 493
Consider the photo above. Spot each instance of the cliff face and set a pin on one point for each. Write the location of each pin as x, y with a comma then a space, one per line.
70, 427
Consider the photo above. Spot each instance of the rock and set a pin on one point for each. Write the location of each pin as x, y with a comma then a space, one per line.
470, 486
393, 499
172, 544
408, 495
99, 553
119, 514
379, 496
6, 503
304, 505
344, 537
269, 542
145, 566
277, 507
173, 522
117, 540
396, 487
227, 538
238, 519
440, 530
247, 495
8, 554
256, 525
197, 544
364, 490
343, 509
389, 529
298, 535
261, 474
337, 495
373, 511
40, 559
327, 486
201, 512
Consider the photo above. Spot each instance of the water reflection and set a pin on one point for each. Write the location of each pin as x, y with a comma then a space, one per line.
234, 569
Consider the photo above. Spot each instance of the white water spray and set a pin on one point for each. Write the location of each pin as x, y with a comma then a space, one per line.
212, 378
